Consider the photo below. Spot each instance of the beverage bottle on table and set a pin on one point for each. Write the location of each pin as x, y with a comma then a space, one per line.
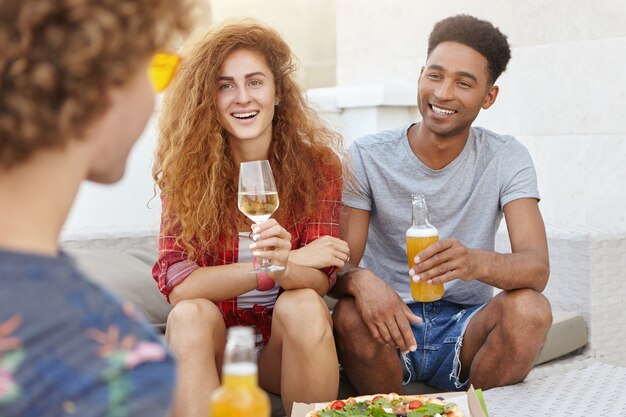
419, 236
240, 394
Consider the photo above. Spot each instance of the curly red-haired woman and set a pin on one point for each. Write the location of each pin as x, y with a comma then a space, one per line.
236, 100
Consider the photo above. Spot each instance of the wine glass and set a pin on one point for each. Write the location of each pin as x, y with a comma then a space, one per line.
258, 199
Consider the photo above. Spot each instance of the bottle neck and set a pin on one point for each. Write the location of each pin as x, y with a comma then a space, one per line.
420, 213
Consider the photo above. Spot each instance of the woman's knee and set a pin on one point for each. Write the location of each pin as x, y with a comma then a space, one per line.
194, 319
301, 304
301, 312
194, 311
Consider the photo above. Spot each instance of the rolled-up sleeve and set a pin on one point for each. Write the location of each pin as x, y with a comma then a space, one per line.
173, 265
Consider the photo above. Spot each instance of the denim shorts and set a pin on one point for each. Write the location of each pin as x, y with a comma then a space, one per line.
439, 339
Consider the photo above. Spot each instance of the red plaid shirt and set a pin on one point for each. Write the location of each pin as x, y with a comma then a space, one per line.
173, 266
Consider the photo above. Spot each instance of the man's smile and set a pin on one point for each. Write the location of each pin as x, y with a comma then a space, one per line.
441, 111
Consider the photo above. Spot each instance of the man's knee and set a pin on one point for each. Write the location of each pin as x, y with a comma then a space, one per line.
526, 319
528, 309
346, 317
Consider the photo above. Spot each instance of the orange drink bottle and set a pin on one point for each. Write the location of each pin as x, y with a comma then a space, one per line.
419, 236
240, 394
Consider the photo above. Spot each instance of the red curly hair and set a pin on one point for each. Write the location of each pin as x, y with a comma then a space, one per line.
194, 167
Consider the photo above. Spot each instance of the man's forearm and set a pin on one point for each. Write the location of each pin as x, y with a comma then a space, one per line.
512, 271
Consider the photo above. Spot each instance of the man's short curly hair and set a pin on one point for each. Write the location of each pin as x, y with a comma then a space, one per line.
58, 58
479, 35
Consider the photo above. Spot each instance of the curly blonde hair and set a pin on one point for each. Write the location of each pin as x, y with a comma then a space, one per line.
58, 58
194, 167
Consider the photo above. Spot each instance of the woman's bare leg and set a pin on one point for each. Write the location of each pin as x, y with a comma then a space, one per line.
300, 360
197, 336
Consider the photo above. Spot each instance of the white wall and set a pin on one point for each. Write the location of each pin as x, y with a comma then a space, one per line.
565, 101
381, 41
119, 209
307, 25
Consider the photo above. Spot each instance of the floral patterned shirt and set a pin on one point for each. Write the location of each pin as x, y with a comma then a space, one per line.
70, 348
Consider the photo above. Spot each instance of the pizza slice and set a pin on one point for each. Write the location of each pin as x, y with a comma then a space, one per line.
388, 405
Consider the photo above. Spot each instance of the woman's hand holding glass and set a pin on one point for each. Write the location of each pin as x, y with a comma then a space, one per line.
272, 242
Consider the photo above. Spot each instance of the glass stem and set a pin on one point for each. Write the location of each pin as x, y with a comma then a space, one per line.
264, 263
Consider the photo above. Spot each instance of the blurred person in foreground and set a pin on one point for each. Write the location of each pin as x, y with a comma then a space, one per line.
470, 177
74, 97
236, 100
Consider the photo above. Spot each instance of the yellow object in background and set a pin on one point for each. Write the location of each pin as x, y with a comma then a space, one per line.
162, 69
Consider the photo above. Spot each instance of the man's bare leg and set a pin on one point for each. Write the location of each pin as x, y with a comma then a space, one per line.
370, 366
503, 339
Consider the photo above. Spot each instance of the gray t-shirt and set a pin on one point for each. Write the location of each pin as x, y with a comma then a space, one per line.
464, 199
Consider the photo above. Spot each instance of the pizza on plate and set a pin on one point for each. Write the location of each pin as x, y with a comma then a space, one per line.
389, 405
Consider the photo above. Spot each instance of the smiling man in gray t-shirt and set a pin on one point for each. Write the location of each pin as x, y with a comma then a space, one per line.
471, 178
465, 200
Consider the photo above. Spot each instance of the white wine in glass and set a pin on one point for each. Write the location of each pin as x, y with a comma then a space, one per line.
258, 198
258, 207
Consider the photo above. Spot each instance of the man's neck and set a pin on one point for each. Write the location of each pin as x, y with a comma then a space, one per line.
35, 199
436, 151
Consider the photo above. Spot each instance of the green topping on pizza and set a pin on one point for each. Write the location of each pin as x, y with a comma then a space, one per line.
388, 406
427, 410
353, 410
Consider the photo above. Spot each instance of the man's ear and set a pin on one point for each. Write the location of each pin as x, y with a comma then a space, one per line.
490, 97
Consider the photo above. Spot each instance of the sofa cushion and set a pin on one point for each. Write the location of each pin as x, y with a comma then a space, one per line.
127, 276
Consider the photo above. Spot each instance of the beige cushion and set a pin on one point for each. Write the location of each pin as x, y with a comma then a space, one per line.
127, 276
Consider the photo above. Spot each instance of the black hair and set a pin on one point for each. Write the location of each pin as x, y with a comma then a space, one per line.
479, 35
